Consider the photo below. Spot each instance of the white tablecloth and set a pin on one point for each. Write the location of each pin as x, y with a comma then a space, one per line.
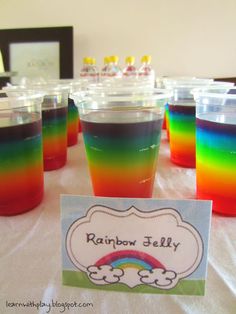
30, 254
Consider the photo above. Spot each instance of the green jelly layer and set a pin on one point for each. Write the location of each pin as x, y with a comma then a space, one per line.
72, 114
182, 125
55, 128
219, 157
217, 149
120, 151
20, 154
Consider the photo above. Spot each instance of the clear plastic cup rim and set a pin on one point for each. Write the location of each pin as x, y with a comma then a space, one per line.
198, 83
28, 95
50, 88
23, 101
69, 83
120, 84
122, 95
185, 82
214, 92
42, 89
220, 83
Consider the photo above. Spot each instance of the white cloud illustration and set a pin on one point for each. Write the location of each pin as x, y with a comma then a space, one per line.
105, 273
157, 276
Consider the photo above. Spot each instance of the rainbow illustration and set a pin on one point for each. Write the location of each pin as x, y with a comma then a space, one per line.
54, 137
130, 259
182, 127
216, 165
21, 167
72, 123
122, 157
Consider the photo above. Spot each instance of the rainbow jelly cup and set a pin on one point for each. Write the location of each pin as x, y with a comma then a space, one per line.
167, 115
122, 132
21, 157
54, 119
216, 148
182, 121
72, 123
182, 127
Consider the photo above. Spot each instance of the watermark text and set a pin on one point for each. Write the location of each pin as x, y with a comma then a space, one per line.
61, 306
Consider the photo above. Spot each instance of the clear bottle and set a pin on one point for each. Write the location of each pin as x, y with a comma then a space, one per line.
85, 69
105, 69
89, 70
146, 71
113, 69
93, 70
130, 70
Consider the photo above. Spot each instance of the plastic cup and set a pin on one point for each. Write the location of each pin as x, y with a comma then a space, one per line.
72, 112
182, 121
167, 121
216, 148
122, 131
54, 119
21, 156
73, 121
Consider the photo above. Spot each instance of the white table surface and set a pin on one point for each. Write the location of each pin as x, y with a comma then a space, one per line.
30, 254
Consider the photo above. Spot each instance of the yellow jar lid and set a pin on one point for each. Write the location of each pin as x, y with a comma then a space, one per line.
106, 60
114, 59
146, 59
130, 60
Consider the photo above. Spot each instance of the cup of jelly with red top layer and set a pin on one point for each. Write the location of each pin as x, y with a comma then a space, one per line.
21, 154
122, 132
216, 148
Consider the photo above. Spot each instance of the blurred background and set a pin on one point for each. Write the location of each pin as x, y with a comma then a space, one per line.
184, 37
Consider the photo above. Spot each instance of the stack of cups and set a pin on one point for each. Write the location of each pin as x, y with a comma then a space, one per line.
121, 126
216, 147
21, 158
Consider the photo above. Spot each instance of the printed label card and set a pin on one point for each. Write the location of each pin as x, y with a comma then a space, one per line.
135, 245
